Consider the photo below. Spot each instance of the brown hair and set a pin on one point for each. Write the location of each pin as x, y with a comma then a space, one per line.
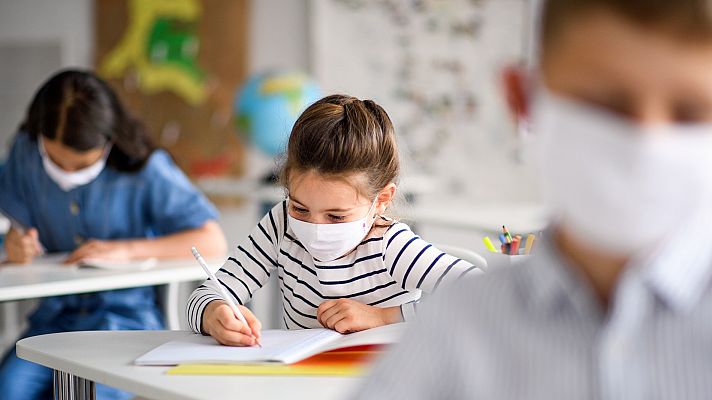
686, 19
339, 136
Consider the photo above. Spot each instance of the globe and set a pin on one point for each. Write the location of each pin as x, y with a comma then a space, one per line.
267, 106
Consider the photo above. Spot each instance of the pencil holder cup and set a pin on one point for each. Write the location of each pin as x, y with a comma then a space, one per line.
499, 260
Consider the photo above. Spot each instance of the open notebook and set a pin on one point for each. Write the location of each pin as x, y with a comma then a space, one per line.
139, 265
278, 346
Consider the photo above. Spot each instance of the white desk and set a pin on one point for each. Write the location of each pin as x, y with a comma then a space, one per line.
82, 358
428, 208
37, 280
482, 217
255, 189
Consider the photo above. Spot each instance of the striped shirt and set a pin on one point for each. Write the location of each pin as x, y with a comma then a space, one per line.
536, 331
389, 268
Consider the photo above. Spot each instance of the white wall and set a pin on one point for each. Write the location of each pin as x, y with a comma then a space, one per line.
36, 38
279, 35
69, 21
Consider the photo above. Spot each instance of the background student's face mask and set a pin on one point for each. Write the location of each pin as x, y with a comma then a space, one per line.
327, 242
617, 186
70, 180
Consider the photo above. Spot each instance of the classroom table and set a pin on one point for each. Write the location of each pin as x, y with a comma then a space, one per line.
522, 217
424, 206
81, 359
259, 190
22, 282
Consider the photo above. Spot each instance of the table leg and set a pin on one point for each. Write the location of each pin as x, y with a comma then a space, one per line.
171, 305
10, 320
71, 387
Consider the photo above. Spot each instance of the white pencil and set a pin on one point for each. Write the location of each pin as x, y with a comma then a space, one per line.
225, 295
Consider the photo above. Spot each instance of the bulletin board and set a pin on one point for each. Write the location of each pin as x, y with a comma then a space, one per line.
434, 65
177, 64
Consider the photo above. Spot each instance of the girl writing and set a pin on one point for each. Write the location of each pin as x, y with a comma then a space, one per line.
341, 263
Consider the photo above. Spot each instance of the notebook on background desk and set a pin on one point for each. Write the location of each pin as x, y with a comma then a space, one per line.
57, 259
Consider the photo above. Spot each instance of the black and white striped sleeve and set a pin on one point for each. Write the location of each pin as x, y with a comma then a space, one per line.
417, 264
247, 268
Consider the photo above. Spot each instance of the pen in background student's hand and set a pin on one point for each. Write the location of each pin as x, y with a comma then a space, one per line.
24, 230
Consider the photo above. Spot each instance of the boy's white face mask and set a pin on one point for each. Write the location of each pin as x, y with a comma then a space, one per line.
617, 186
70, 180
328, 242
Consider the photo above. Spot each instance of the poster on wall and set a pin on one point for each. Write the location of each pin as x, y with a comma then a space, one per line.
177, 64
434, 65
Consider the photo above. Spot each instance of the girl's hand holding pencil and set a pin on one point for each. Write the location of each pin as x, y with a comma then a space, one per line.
224, 320
220, 322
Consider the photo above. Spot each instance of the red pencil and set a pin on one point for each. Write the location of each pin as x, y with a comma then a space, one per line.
515, 245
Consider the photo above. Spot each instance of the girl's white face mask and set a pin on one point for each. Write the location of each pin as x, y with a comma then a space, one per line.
618, 186
70, 180
328, 242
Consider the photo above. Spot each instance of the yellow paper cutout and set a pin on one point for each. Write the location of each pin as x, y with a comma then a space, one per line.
132, 50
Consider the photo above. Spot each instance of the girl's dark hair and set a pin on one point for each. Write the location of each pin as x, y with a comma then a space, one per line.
340, 135
81, 111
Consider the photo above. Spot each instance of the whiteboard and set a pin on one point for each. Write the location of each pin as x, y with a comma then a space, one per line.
434, 66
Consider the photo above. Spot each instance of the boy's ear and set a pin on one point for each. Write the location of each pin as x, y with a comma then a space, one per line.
385, 198
516, 91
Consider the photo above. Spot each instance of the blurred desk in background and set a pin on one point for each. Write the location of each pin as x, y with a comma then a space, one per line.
23, 282
522, 218
259, 190
437, 218
423, 205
